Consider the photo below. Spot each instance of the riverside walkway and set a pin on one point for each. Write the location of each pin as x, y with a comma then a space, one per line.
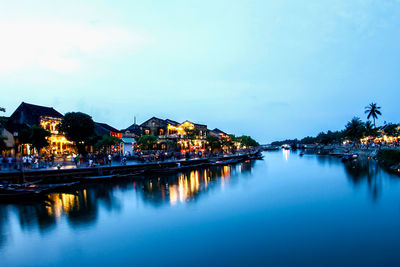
69, 170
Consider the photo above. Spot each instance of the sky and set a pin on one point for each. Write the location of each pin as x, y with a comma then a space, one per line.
270, 69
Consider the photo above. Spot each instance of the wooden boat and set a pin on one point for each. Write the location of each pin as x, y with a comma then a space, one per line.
177, 168
135, 173
165, 170
19, 194
43, 187
255, 157
347, 157
96, 178
226, 162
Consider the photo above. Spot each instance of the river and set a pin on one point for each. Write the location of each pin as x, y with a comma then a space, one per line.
283, 210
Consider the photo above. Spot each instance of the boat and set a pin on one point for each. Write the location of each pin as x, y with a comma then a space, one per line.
256, 157
96, 178
135, 173
226, 162
18, 194
177, 168
347, 157
43, 187
165, 169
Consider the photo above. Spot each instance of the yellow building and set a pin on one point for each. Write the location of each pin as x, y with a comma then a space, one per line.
27, 115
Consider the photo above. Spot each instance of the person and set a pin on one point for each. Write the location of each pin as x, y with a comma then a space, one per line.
109, 159
24, 161
78, 160
36, 161
9, 162
29, 161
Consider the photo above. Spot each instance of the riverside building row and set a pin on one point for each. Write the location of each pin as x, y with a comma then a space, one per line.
171, 134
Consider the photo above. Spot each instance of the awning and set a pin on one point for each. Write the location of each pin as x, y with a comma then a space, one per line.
126, 140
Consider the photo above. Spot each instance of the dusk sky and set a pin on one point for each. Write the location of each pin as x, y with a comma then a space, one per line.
269, 69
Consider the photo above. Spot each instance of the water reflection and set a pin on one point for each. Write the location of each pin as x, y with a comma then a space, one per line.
366, 171
80, 206
361, 171
187, 186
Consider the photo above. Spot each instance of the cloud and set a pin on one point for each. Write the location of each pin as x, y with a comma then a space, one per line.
61, 46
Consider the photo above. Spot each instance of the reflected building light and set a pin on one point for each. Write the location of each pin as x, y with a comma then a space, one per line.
173, 195
286, 153
205, 179
85, 197
63, 203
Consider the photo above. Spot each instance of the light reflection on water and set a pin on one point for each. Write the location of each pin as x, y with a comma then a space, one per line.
282, 182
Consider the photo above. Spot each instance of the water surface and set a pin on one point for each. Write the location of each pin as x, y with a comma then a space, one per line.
284, 210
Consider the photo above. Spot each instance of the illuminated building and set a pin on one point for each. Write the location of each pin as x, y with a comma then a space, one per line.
220, 134
186, 136
105, 129
27, 115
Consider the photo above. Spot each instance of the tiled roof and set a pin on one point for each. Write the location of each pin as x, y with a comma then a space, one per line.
41, 110
108, 127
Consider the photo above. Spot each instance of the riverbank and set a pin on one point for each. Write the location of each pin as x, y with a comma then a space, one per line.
389, 159
61, 175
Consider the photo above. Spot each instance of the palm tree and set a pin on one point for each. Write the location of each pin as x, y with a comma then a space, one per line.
373, 111
370, 130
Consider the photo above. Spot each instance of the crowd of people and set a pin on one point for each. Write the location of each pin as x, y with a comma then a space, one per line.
36, 161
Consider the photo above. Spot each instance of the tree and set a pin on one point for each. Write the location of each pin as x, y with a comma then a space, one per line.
391, 129
191, 134
308, 140
3, 145
373, 111
355, 129
106, 142
213, 143
247, 141
36, 136
370, 130
147, 142
78, 127
329, 137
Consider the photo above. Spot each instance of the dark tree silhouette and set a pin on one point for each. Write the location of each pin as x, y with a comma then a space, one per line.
373, 111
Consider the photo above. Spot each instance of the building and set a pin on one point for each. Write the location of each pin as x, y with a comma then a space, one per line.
105, 129
220, 134
133, 131
27, 115
186, 136
8, 137
154, 126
